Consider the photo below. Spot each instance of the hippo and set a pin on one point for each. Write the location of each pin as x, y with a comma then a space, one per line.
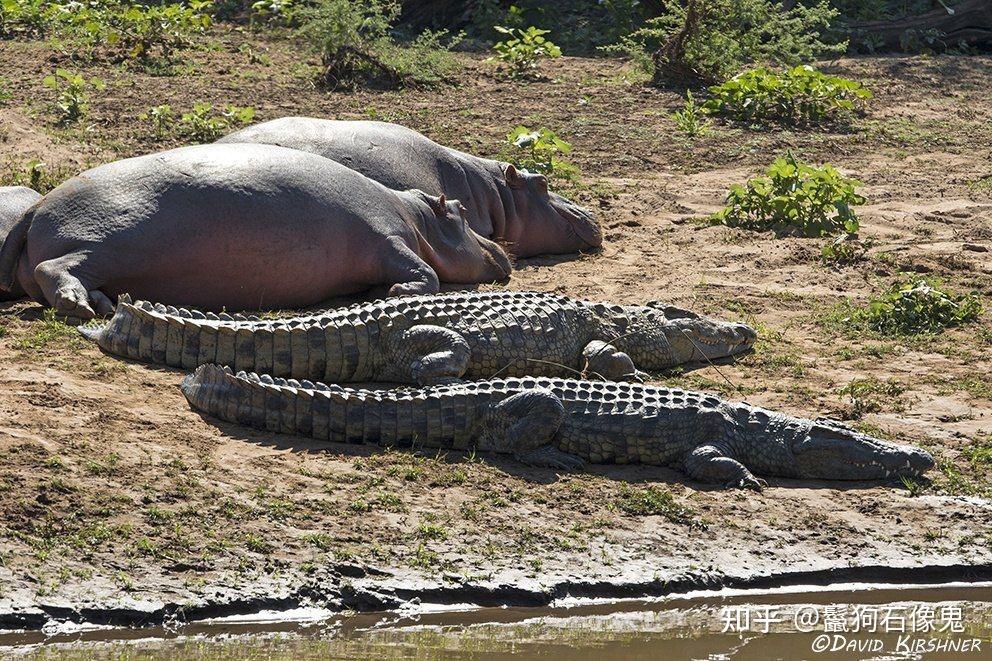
237, 227
503, 203
14, 202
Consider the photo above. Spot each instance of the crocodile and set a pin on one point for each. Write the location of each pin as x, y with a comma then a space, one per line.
428, 339
561, 424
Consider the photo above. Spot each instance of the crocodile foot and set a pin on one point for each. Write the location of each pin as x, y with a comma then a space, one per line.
749, 482
547, 456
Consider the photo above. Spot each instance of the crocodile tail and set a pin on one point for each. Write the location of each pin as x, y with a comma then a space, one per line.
164, 335
13, 246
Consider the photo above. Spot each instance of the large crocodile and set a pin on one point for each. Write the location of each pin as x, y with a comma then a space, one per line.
428, 339
562, 423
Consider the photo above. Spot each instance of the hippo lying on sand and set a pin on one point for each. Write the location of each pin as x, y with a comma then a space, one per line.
14, 202
237, 227
502, 203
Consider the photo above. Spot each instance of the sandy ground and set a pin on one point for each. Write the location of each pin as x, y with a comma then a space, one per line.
112, 491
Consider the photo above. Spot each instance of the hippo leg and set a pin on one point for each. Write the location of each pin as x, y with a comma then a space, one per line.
66, 292
608, 362
435, 355
411, 274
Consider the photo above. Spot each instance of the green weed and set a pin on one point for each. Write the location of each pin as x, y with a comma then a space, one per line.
522, 49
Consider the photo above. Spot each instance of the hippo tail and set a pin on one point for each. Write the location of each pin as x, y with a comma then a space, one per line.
13, 246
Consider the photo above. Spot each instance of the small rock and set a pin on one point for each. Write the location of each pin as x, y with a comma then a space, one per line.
975, 247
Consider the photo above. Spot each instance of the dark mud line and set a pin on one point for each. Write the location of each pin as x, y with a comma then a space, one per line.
336, 595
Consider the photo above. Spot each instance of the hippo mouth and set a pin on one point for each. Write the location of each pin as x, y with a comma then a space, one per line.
580, 221
497, 258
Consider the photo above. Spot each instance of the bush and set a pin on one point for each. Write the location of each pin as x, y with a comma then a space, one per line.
712, 40
794, 197
801, 95
203, 123
845, 249
126, 30
71, 92
523, 48
917, 305
352, 38
539, 151
690, 119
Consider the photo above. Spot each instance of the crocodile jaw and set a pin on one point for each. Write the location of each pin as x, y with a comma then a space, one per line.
828, 450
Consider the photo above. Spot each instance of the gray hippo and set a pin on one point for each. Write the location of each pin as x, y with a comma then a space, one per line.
503, 203
14, 202
237, 227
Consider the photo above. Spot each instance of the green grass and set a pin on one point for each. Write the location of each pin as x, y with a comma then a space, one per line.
652, 501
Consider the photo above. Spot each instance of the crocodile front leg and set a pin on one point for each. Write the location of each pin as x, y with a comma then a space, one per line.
433, 355
710, 464
606, 361
523, 425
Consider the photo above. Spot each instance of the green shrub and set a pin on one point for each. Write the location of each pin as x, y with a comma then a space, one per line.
845, 249
713, 40
203, 123
71, 92
690, 119
652, 501
801, 95
522, 49
352, 38
126, 30
916, 305
539, 151
794, 197
274, 11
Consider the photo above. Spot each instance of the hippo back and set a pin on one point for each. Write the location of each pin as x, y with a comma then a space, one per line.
395, 156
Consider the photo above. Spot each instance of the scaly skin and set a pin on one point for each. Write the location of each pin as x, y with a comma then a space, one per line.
428, 339
562, 423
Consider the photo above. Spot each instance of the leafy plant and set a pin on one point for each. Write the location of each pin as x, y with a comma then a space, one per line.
522, 49
540, 151
161, 119
712, 40
35, 174
129, 31
690, 119
204, 123
652, 501
794, 197
354, 42
916, 305
5, 94
274, 11
800, 95
71, 91
845, 249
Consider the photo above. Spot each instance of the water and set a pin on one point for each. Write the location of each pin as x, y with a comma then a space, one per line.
696, 626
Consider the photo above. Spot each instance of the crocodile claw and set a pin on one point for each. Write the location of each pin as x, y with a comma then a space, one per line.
551, 457
751, 482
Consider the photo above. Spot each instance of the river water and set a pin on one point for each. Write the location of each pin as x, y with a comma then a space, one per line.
950, 621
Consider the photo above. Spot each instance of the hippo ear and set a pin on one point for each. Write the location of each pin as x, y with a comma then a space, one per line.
512, 176
439, 203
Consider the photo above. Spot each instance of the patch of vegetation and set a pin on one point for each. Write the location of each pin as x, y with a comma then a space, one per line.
49, 331
690, 119
125, 31
845, 249
871, 395
794, 198
539, 151
5, 94
71, 94
652, 501
712, 40
522, 49
916, 305
800, 95
356, 47
203, 123
35, 174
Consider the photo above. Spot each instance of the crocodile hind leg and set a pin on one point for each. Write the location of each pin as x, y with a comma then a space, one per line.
710, 464
605, 360
523, 425
68, 292
434, 355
